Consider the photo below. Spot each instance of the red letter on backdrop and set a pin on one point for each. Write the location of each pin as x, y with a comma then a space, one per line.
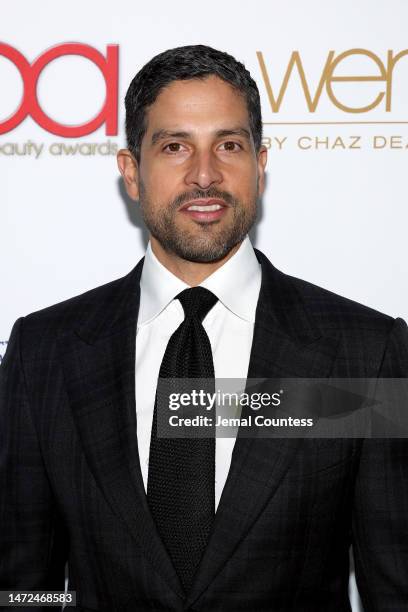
30, 75
24, 68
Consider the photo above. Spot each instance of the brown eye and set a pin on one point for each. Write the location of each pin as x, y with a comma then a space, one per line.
230, 146
174, 147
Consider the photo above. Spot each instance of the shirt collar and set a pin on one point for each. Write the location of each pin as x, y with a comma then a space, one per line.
236, 284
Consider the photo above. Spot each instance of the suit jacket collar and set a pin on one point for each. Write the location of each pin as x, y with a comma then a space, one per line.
279, 304
99, 360
114, 309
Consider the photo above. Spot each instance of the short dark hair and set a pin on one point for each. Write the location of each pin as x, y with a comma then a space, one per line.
182, 63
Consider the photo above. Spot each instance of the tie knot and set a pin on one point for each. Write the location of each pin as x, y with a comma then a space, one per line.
197, 301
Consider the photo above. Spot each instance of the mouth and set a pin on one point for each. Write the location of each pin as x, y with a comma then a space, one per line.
202, 210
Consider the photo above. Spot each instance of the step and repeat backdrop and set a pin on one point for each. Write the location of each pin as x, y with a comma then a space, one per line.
333, 79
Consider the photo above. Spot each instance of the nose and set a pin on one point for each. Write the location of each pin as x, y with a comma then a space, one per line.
204, 170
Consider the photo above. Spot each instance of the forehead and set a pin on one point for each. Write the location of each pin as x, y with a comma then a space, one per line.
196, 102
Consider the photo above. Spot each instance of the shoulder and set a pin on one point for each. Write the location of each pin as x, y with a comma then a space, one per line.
70, 311
366, 335
325, 309
333, 311
307, 311
90, 308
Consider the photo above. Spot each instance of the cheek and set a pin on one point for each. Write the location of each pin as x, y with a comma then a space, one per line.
165, 182
247, 187
167, 166
244, 177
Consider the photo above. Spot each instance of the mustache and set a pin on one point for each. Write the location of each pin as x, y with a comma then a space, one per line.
196, 194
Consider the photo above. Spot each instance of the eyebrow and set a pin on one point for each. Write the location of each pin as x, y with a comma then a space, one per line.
161, 134
239, 131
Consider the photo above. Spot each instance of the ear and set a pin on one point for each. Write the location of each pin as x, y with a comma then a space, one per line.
129, 169
262, 158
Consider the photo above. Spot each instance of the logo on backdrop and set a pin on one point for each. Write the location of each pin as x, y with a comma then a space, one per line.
333, 89
297, 88
30, 73
329, 76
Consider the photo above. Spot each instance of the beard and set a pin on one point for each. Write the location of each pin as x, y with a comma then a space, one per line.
211, 241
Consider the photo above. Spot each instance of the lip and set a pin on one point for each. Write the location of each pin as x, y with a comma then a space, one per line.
204, 216
203, 202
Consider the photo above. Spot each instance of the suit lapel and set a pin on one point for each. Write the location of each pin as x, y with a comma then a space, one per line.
286, 344
99, 369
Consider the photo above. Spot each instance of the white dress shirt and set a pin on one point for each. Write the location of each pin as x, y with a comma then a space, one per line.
229, 326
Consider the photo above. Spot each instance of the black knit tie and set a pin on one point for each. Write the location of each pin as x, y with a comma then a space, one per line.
181, 480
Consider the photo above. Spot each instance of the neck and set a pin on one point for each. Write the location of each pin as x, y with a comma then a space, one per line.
191, 272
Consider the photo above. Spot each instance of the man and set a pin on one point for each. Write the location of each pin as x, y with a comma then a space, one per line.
149, 523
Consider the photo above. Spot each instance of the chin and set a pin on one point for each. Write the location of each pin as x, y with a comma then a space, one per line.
209, 254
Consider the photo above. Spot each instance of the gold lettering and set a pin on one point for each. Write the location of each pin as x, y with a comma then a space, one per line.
396, 142
338, 143
355, 144
390, 69
379, 142
324, 141
331, 78
294, 59
280, 142
307, 139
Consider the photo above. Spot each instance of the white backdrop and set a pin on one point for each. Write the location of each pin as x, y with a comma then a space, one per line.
335, 210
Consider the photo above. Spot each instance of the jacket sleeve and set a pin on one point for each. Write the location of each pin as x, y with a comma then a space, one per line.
380, 513
33, 544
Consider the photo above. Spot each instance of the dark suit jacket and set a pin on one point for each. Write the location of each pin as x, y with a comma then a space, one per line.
71, 485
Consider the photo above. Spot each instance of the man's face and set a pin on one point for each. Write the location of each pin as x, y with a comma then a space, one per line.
199, 176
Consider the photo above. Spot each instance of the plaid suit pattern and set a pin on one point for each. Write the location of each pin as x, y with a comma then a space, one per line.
71, 487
